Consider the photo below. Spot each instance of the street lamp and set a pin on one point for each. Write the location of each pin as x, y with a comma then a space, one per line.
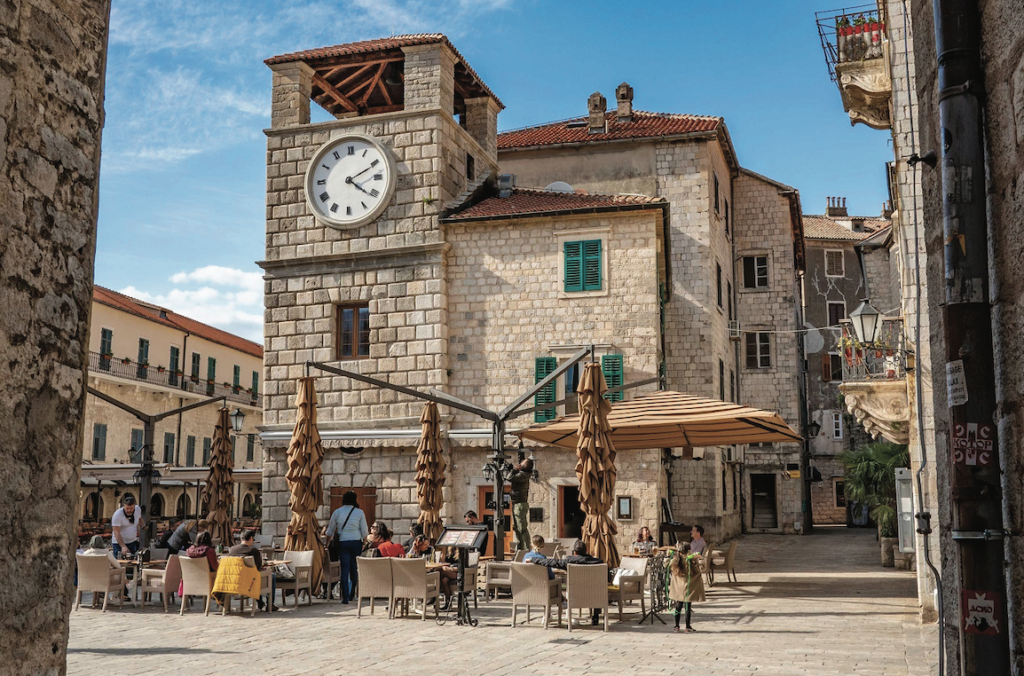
866, 321
813, 429
237, 418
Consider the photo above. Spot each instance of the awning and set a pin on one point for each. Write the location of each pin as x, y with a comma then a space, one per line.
673, 419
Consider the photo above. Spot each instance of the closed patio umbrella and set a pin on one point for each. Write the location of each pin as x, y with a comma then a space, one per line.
672, 419
305, 480
430, 468
595, 466
219, 489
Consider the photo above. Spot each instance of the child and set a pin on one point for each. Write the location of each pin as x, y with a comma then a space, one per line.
535, 555
686, 586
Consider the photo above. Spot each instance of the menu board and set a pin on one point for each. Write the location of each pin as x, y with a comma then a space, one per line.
467, 537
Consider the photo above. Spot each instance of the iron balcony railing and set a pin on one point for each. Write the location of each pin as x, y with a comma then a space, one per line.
164, 377
886, 359
849, 35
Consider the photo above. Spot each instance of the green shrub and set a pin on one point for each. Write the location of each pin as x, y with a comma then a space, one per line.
870, 479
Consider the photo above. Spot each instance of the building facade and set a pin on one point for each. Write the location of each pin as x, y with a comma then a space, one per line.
155, 360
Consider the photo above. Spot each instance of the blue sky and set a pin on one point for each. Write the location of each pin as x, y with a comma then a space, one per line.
182, 181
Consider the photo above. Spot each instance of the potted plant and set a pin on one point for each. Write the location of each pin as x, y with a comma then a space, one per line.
126, 360
870, 479
873, 24
160, 369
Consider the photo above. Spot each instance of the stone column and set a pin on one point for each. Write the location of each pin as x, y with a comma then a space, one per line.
482, 123
430, 77
292, 87
51, 117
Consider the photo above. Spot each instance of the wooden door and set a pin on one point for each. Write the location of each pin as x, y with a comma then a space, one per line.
570, 514
485, 496
366, 496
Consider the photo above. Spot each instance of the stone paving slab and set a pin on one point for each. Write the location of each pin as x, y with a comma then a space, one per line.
817, 604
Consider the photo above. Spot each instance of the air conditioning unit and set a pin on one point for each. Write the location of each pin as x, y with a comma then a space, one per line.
734, 329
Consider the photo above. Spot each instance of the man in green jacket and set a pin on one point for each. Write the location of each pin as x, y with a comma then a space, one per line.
520, 482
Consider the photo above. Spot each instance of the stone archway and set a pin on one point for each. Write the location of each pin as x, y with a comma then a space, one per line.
183, 507
93, 507
156, 506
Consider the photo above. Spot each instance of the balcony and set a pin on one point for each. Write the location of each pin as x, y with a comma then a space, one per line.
159, 376
875, 386
854, 43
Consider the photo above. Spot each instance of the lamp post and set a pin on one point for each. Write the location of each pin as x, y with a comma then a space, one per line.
237, 419
866, 320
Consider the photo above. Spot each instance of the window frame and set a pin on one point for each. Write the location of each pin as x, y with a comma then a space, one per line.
839, 492
610, 363
717, 195
842, 263
137, 434
542, 368
762, 350
207, 451
169, 449
721, 379
833, 361
828, 311
718, 278
99, 441
837, 425
590, 234
190, 451
760, 282
357, 334
250, 447
106, 347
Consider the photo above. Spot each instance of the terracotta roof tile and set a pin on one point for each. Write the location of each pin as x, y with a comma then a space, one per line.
160, 315
643, 125
826, 227
528, 202
379, 45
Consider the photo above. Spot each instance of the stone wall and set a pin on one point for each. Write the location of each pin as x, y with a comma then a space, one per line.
51, 115
824, 493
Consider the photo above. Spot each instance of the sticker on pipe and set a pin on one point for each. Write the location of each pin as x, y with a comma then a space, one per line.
972, 444
979, 612
956, 383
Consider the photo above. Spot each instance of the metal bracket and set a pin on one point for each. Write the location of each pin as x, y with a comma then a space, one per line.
987, 534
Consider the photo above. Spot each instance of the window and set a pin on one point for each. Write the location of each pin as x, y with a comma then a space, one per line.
207, 449
196, 360
470, 168
759, 354
834, 264
840, 489
138, 442
728, 291
234, 450
716, 203
106, 348
836, 312
99, 441
735, 494
353, 332
761, 444
255, 383
718, 276
236, 378
190, 451
572, 381
211, 374
173, 366
831, 367
250, 448
721, 380
611, 366
542, 368
726, 217
755, 272
582, 265
141, 370
725, 494
732, 386
837, 425
169, 447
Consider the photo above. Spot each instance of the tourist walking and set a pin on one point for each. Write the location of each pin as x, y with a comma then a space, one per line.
348, 525
685, 586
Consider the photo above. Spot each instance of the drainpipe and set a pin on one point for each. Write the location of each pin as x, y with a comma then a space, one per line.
975, 454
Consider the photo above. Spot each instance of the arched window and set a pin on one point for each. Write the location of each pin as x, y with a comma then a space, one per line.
157, 505
93, 507
184, 504
247, 505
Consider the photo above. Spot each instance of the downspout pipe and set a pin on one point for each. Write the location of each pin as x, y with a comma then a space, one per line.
976, 486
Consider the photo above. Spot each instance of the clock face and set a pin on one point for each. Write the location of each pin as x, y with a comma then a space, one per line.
350, 181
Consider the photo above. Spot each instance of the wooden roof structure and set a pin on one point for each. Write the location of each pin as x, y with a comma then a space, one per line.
365, 78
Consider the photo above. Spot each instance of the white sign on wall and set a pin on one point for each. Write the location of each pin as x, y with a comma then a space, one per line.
956, 383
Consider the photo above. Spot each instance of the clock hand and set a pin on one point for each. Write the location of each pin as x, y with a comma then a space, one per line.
356, 185
360, 173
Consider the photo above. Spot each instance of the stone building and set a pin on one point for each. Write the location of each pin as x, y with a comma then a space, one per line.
445, 280
155, 360
843, 267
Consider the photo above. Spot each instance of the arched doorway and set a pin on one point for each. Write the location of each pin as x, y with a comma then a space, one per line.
156, 508
247, 505
93, 507
182, 510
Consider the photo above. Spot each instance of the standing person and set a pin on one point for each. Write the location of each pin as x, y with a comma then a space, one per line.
185, 534
204, 547
348, 524
686, 586
697, 544
519, 479
126, 523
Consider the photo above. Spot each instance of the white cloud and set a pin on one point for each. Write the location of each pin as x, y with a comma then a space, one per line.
226, 298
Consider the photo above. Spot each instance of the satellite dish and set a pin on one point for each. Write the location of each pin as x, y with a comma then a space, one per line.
559, 186
813, 340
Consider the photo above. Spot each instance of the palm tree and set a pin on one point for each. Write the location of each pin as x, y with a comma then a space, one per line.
870, 479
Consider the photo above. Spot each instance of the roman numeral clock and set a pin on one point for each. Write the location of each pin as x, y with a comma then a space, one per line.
350, 181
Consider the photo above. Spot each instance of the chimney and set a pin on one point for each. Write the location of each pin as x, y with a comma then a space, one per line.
887, 209
624, 98
597, 104
836, 206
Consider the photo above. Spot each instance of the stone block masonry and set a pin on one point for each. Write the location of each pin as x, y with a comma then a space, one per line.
51, 116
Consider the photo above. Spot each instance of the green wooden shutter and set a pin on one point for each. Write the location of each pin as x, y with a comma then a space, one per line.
611, 365
573, 266
592, 265
544, 366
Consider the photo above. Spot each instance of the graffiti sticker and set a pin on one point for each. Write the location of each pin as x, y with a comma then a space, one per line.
972, 444
979, 612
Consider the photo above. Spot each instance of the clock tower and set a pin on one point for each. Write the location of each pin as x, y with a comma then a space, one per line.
355, 264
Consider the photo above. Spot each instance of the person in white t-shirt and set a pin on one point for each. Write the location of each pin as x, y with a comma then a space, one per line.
126, 523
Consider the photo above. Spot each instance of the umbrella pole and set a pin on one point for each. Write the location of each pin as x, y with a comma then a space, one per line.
499, 490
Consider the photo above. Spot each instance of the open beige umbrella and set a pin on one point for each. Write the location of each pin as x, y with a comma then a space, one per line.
430, 467
672, 420
219, 489
305, 480
595, 466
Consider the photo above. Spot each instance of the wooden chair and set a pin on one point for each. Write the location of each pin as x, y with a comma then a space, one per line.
631, 586
586, 587
531, 587
196, 580
95, 575
726, 562
302, 565
162, 581
412, 581
375, 581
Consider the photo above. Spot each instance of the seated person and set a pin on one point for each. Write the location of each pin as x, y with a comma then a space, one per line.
472, 519
579, 556
697, 543
204, 547
644, 536
419, 548
415, 530
247, 547
380, 539
538, 543
165, 537
98, 547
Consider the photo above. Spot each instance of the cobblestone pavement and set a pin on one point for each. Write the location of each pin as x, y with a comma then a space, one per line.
819, 604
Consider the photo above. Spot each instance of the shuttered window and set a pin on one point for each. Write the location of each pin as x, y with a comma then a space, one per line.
190, 451
138, 441
169, 447
99, 441
834, 264
544, 366
207, 448
611, 365
583, 265
250, 448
